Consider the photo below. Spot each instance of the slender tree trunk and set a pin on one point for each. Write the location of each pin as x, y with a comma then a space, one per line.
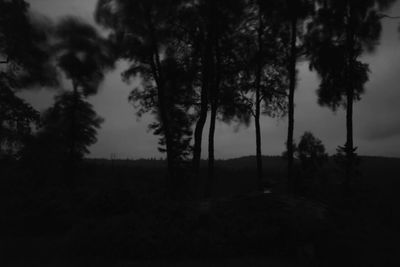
349, 146
292, 86
258, 144
213, 117
172, 175
211, 156
198, 133
349, 139
258, 105
70, 173
162, 108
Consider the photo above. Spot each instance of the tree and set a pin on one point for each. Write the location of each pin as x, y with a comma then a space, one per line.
48, 151
25, 63
264, 74
223, 18
196, 27
16, 119
311, 152
178, 98
57, 122
84, 56
293, 14
213, 50
25, 46
144, 31
340, 34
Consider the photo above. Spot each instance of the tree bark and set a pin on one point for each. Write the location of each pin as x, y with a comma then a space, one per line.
258, 106
258, 144
349, 140
349, 146
162, 108
211, 156
69, 178
292, 86
216, 77
198, 133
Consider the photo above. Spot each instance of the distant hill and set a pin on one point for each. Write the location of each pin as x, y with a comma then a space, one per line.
238, 175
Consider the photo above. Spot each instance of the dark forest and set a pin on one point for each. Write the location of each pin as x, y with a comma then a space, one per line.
194, 63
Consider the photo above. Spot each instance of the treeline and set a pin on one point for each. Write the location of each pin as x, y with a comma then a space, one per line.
229, 60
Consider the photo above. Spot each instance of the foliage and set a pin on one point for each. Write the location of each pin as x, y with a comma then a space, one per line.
71, 117
311, 152
25, 62
82, 54
16, 120
339, 34
25, 46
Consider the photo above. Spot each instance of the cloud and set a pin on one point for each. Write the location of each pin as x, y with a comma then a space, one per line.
383, 131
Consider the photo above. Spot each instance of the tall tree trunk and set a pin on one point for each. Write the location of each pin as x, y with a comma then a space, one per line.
198, 133
258, 143
69, 178
211, 156
292, 86
172, 175
216, 78
258, 104
349, 146
172, 178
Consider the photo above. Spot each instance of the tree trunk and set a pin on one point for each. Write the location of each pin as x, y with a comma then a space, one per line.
211, 156
172, 175
216, 78
198, 133
172, 178
349, 146
258, 144
69, 178
258, 106
292, 86
349, 140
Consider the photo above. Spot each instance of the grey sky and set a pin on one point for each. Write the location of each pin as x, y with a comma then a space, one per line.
376, 118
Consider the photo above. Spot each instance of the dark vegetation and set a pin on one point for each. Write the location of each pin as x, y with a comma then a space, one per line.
118, 213
228, 60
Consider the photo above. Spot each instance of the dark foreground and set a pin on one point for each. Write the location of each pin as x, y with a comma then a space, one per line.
116, 215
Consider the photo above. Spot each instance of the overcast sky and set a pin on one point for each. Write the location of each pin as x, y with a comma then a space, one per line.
376, 116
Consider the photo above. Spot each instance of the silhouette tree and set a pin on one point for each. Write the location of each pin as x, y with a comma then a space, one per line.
223, 18
57, 122
311, 152
24, 63
196, 27
264, 72
144, 31
49, 151
312, 156
340, 34
83, 55
178, 100
212, 49
16, 120
293, 13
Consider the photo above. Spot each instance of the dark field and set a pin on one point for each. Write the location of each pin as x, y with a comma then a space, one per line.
117, 215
